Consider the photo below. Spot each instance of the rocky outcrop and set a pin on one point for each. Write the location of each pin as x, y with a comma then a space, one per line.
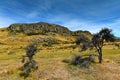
39, 28
44, 28
48, 39
79, 32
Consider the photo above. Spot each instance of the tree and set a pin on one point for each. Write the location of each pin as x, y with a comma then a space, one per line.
97, 41
31, 49
29, 64
99, 38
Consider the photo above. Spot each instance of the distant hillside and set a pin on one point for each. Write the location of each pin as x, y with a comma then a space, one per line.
43, 28
80, 32
39, 28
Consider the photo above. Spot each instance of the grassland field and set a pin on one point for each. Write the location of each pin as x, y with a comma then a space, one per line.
50, 61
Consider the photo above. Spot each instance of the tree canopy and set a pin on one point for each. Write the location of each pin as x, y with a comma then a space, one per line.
97, 41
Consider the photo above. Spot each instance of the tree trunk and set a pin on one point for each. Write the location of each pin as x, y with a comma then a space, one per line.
100, 55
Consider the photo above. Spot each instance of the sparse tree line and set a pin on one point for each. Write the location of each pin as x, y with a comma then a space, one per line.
96, 43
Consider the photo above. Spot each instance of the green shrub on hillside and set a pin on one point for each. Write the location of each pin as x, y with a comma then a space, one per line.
29, 64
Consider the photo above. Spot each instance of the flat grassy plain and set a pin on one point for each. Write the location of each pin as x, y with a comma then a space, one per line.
50, 61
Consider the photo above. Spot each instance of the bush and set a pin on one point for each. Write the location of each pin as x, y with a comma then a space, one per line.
77, 59
83, 61
31, 64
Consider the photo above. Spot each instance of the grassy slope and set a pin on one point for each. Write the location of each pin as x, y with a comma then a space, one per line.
50, 62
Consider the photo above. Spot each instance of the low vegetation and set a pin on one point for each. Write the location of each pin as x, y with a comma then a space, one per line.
83, 60
56, 57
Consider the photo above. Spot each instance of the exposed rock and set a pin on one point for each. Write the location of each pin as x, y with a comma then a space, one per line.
39, 28
45, 40
79, 32
44, 28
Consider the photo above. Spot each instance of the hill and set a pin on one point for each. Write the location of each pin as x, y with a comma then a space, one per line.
53, 57
44, 28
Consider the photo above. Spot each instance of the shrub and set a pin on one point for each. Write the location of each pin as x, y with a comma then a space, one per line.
31, 64
83, 61
76, 59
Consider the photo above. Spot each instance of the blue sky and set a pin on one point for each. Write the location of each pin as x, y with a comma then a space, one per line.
91, 15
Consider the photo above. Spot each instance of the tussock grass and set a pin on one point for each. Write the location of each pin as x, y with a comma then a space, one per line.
51, 66
53, 62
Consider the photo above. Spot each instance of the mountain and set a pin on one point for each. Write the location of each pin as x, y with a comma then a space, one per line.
44, 28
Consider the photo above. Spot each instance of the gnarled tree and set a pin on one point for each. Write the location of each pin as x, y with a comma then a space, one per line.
29, 64
99, 38
97, 41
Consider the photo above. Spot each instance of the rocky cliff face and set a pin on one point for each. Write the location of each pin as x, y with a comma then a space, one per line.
43, 28
39, 28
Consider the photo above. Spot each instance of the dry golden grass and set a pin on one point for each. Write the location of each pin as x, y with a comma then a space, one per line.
50, 61
51, 67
